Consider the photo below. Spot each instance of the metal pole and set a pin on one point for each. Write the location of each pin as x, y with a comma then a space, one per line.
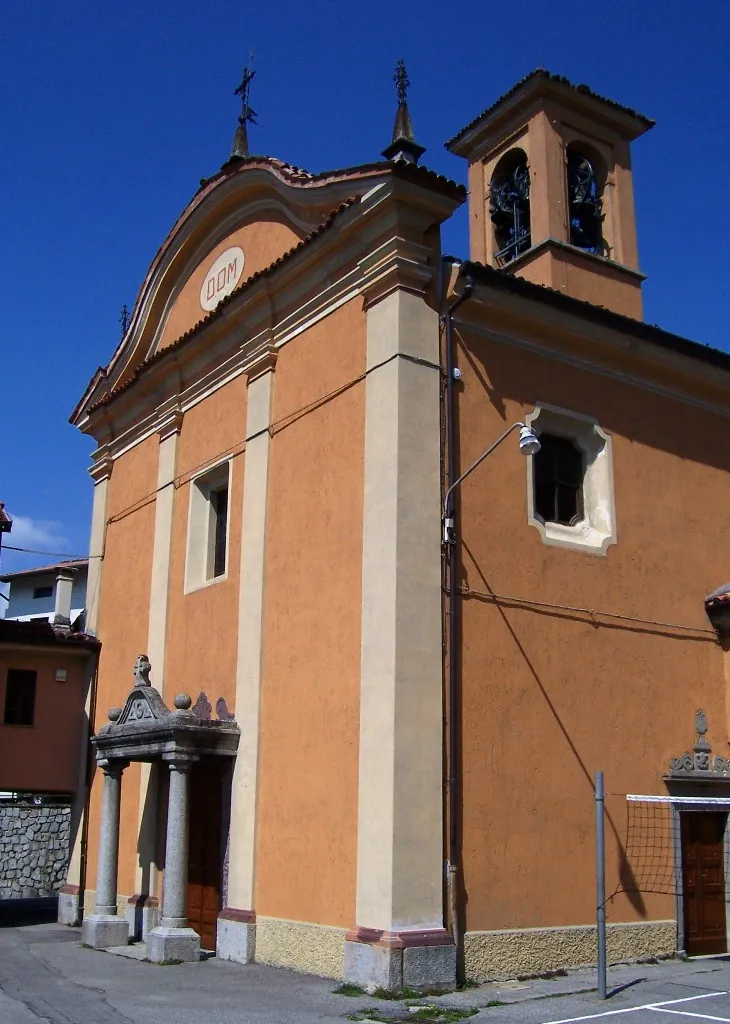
600, 885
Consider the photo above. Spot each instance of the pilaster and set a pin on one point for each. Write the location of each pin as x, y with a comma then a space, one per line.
399, 903
70, 898
237, 923
146, 873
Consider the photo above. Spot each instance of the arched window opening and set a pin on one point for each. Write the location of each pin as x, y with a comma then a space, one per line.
509, 206
585, 191
559, 469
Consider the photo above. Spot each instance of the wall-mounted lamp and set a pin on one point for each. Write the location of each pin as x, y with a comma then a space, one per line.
529, 445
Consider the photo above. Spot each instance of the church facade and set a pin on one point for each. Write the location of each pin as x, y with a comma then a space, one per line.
372, 682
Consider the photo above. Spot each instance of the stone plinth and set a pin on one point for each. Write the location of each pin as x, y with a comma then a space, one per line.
101, 931
397, 960
236, 936
173, 945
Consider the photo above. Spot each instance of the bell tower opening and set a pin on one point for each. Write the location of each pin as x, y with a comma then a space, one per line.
585, 179
551, 192
509, 206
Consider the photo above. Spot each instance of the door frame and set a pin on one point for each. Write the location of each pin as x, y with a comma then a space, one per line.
697, 805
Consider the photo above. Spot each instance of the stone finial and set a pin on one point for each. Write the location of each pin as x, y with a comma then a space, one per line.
202, 708
182, 702
221, 709
113, 714
142, 669
403, 146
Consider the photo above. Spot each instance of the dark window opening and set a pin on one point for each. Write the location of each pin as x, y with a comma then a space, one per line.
584, 204
219, 502
509, 206
20, 697
559, 468
39, 592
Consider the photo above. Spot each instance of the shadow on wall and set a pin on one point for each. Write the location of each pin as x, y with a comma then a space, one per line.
623, 869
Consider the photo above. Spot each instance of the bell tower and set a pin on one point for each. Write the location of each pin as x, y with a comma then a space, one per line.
551, 193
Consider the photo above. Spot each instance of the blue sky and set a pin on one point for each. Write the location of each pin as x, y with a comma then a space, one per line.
110, 113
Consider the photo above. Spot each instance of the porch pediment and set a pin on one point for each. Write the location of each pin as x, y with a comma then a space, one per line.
145, 729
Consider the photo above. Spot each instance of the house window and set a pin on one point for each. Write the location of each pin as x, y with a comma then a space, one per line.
207, 549
39, 592
20, 697
570, 481
559, 469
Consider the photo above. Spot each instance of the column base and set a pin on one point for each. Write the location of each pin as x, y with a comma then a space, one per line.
392, 961
143, 914
70, 910
236, 935
101, 931
173, 945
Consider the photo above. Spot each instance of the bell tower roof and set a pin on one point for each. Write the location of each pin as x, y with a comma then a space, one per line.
541, 84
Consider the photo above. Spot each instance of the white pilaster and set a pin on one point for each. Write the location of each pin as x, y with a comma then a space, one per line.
400, 806
235, 928
146, 873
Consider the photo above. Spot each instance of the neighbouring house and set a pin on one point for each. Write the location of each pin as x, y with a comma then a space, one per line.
369, 696
47, 675
32, 592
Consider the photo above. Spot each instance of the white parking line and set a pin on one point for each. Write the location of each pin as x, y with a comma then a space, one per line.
646, 1006
686, 1013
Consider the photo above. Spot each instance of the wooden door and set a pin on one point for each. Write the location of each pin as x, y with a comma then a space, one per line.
205, 853
703, 881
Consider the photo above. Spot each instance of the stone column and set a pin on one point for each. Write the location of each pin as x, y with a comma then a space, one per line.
104, 928
173, 941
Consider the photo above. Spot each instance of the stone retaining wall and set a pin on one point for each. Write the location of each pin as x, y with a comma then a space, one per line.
34, 844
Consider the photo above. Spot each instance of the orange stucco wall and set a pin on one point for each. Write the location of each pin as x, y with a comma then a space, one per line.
122, 627
308, 768
202, 626
550, 696
262, 242
45, 756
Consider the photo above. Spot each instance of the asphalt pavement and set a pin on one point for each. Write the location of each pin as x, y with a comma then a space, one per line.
47, 976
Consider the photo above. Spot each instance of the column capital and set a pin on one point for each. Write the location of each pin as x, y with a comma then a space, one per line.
179, 762
113, 768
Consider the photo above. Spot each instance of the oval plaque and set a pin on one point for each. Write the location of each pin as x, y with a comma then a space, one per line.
222, 277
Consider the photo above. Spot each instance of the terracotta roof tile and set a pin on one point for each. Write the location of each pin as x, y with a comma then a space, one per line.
42, 633
558, 79
597, 314
71, 563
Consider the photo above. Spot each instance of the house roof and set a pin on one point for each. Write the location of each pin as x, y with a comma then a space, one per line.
44, 570
41, 633
597, 314
547, 76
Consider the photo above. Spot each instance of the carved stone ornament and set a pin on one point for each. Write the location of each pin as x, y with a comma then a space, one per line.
145, 729
221, 709
700, 764
202, 707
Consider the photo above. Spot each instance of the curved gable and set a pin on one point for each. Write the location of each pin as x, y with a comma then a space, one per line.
259, 207
248, 249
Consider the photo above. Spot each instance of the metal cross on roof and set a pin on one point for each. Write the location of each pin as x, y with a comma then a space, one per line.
402, 81
243, 90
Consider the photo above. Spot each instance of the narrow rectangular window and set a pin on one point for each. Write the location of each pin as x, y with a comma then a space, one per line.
20, 697
39, 592
219, 501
